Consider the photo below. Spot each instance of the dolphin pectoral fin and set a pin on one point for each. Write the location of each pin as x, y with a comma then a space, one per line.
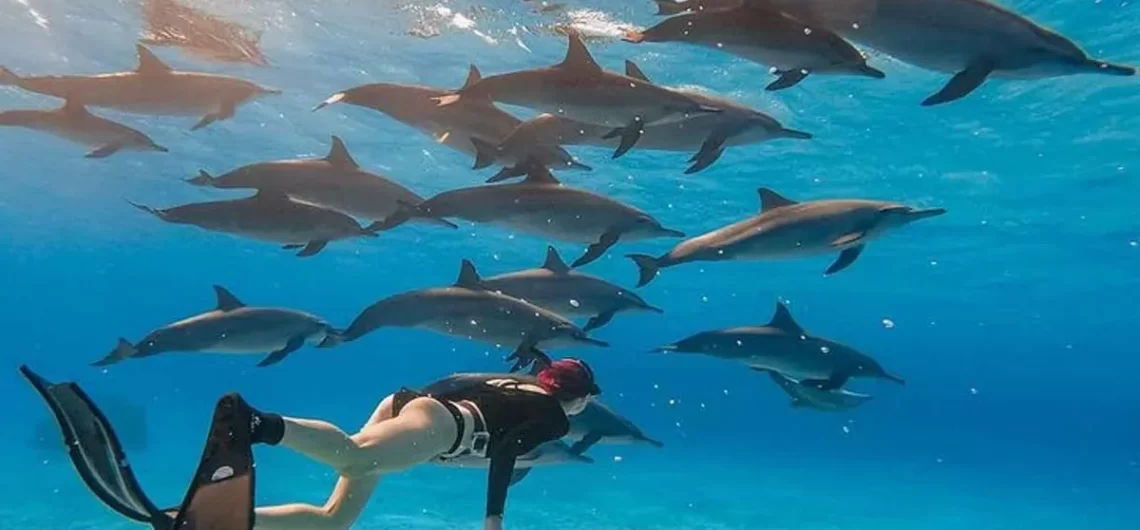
595, 251
293, 345
629, 134
845, 259
224, 113
526, 354
709, 153
591, 439
599, 320
485, 153
519, 474
312, 248
105, 151
787, 79
962, 83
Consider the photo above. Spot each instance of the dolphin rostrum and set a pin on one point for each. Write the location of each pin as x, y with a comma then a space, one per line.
468, 309
578, 88
785, 229
790, 47
268, 216
542, 206
74, 122
811, 396
972, 39
557, 287
462, 126
231, 327
336, 182
152, 88
783, 346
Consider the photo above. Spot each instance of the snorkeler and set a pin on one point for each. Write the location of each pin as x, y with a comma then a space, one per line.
499, 420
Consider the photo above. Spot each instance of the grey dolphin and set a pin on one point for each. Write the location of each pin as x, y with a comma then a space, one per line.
152, 88
791, 48
783, 346
336, 182
461, 126
548, 454
596, 424
231, 327
811, 396
706, 135
74, 122
468, 309
578, 88
268, 216
557, 287
972, 39
542, 206
785, 229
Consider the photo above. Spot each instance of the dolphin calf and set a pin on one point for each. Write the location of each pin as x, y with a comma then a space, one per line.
268, 216
785, 228
468, 309
542, 206
547, 454
557, 287
783, 346
336, 182
972, 39
74, 122
769, 37
461, 126
578, 88
231, 327
152, 88
811, 396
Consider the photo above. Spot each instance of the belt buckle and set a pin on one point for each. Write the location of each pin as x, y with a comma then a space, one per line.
479, 443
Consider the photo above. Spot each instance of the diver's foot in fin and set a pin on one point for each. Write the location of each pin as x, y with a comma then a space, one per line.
263, 427
221, 493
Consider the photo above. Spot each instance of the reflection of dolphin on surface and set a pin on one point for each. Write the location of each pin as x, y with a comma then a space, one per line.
201, 34
811, 396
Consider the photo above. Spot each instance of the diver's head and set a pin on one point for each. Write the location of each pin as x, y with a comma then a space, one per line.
571, 382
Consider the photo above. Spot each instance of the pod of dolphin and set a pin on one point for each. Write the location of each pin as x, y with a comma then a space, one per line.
305, 204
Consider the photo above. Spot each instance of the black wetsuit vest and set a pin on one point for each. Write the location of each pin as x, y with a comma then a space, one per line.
517, 420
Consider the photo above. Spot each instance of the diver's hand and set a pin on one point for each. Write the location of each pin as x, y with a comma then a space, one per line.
494, 522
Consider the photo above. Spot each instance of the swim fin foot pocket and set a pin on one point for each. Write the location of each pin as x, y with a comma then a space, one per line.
220, 497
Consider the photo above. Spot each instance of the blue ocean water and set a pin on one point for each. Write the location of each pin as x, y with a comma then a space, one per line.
1011, 317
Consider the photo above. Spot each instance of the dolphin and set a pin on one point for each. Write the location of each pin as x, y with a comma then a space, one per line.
268, 216
199, 33
547, 454
783, 346
673, 7
972, 39
596, 424
785, 228
578, 88
462, 126
231, 327
542, 206
707, 135
557, 287
468, 309
769, 37
74, 122
810, 396
335, 182
152, 88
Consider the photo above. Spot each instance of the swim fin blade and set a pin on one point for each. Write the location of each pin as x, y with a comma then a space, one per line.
221, 493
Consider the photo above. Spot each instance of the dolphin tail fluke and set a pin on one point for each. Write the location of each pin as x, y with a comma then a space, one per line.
647, 268
1108, 68
485, 153
122, 350
7, 78
666, 8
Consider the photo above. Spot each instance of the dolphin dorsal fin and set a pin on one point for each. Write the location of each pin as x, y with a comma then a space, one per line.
578, 56
149, 63
770, 200
634, 71
468, 276
783, 320
554, 262
226, 300
473, 76
338, 155
537, 173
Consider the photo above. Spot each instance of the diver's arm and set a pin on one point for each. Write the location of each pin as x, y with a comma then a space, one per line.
498, 482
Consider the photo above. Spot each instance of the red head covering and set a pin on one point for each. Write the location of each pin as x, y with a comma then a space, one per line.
569, 379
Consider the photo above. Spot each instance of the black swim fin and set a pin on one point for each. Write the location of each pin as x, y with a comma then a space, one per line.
95, 451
